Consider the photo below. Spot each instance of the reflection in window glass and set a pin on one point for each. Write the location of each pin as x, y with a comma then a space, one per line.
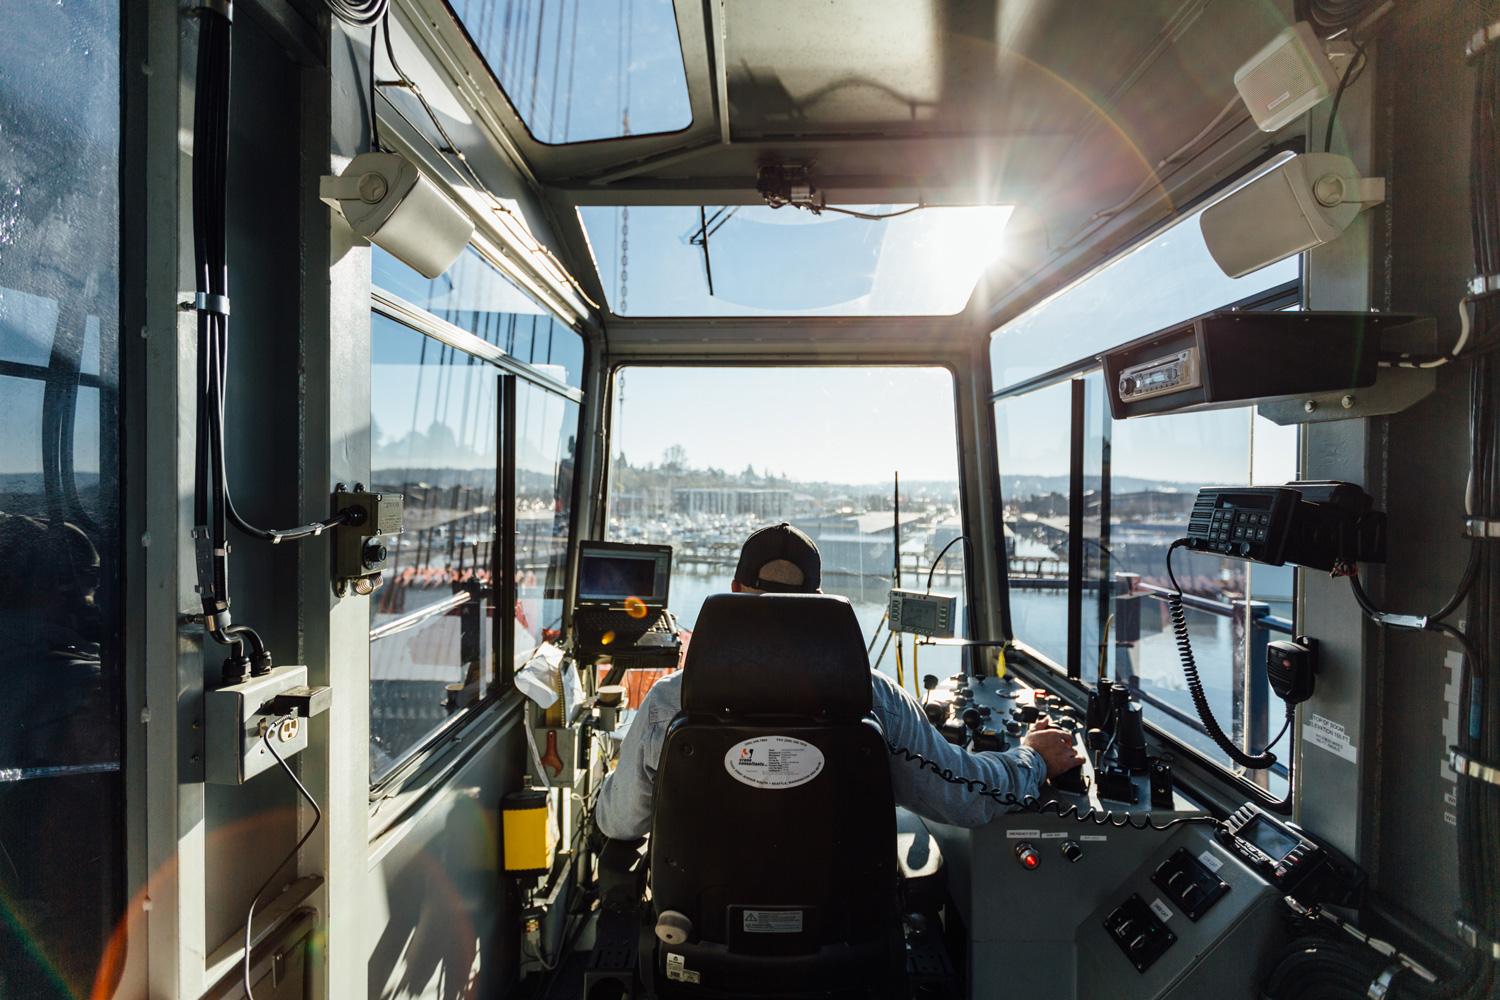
576, 70
813, 446
546, 442
61, 864
761, 261
1164, 281
472, 295
433, 432
1151, 495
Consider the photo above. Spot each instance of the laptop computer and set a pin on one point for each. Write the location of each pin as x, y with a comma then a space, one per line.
622, 596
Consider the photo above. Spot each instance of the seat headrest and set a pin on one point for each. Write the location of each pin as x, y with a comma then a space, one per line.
777, 654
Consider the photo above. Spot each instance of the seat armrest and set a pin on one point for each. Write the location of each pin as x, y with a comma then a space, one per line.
622, 874
920, 861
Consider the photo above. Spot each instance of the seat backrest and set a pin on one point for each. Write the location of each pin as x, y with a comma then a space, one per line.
774, 826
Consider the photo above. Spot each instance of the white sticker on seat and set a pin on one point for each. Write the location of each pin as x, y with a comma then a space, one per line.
773, 921
773, 762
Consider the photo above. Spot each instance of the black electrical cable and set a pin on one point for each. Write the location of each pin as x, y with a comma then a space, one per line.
968, 551
210, 156
375, 146
265, 738
1351, 73
1329, 17
1052, 807
1258, 761
869, 216
358, 12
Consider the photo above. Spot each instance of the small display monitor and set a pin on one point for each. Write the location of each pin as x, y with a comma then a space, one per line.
1274, 842
611, 572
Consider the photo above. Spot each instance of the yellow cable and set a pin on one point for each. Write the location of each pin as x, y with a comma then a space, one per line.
915, 676
900, 674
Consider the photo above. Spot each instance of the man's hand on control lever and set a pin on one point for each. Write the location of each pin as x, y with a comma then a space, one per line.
1055, 745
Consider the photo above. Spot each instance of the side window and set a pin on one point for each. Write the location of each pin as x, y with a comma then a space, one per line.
62, 863
1092, 504
439, 408
433, 438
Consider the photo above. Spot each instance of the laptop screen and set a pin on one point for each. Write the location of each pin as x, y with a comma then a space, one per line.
611, 572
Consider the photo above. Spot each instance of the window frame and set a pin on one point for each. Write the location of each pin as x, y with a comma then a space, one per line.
687, 90
447, 739
1284, 295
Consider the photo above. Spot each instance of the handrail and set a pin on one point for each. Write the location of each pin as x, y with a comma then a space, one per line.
417, 617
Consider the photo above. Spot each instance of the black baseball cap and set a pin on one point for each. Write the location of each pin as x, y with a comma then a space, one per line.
780, 542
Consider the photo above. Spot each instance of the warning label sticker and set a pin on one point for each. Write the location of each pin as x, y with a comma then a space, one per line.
677, 969
1329, 735
773, 762
773, 921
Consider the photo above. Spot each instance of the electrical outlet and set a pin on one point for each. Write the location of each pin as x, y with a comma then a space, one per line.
234, 714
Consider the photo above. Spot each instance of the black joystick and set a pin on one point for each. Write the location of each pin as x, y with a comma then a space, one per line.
929, 681
981, 736
1097, 740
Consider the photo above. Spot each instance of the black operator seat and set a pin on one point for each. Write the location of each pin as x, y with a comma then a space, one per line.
772, 867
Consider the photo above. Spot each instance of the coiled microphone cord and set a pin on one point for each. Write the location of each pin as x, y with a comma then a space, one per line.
1259, 761
1053, 807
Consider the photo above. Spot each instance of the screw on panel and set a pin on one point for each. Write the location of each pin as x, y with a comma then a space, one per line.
1347, 402
1309, 406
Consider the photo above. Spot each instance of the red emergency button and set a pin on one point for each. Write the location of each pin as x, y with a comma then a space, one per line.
1027, 856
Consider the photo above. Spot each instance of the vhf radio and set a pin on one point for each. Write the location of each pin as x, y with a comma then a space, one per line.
1320, 525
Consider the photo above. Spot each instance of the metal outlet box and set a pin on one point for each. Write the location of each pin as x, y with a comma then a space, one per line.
234, 752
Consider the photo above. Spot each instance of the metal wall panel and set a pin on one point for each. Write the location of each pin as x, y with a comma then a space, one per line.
433, 922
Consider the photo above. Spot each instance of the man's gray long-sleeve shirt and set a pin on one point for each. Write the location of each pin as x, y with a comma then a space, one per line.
624, 808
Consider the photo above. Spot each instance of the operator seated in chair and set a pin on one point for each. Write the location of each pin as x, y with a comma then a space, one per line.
773, 868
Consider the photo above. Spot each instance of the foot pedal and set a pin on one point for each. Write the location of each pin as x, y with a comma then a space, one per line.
929, 971
610, 971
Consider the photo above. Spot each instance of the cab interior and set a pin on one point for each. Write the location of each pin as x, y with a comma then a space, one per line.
318, 668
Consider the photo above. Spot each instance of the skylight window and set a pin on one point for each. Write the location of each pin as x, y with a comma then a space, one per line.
760, 261
578, 70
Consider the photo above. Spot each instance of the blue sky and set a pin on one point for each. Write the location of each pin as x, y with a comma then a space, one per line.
850, 425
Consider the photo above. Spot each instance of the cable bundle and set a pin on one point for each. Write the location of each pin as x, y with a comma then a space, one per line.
1329, 17
1479, 709
361, 13
1478, 800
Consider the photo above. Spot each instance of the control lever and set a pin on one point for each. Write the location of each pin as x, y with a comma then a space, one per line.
981, 737
1132, 739
972, 719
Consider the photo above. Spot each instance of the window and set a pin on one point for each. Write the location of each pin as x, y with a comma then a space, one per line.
1168, 278
478, 299
546, 442
62, 868
433, 437
1092, 504
812, 446
577, 70
440, 401
760, 261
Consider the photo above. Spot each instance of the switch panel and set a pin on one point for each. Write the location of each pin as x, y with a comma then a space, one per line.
1138, 931
1189, 884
